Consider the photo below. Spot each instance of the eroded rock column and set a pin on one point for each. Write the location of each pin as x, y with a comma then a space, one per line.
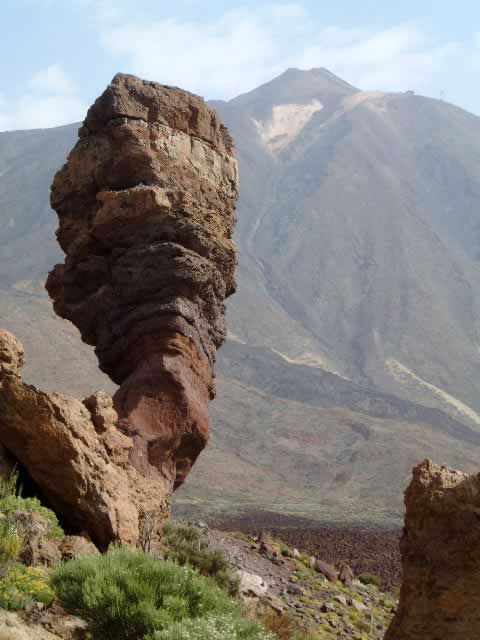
440, 594
146, 208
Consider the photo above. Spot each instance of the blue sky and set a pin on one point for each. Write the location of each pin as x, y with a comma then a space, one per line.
58, 55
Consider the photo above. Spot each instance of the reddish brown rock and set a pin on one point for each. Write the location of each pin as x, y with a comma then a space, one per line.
267, 549
72, 547
327, 570
146, 208
86, 476
346, 575
40, 549
440, 594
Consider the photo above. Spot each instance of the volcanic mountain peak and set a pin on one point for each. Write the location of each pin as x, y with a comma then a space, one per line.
294, 86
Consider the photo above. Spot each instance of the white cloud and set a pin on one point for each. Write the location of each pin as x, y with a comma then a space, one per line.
393, 59
53, 79
239, 50
51, 101
214, 59
41, 112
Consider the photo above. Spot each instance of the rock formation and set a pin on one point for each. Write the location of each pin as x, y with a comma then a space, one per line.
146, 207
440, 594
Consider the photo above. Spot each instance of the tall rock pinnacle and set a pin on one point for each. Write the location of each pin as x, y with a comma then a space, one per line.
146, 208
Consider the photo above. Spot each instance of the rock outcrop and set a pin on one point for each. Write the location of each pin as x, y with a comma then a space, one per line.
146, 207
440, 594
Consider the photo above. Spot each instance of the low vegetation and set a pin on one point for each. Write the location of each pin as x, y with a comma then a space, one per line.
23, 585
20, 585
11, 544
11, 500
221, 627
283, 626
368, 578
188, 546
129, 595
10, 504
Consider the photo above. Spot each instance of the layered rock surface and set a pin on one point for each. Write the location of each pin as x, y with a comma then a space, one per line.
146, 207
440, 595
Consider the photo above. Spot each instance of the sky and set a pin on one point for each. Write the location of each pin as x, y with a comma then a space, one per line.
57, 56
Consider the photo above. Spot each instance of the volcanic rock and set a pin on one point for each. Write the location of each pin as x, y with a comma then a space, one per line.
146, 208
440, 594
346, 575
327, 570
252, 584
38, 549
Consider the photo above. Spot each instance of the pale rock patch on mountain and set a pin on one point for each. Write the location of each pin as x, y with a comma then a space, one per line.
309, 359
286, 122
406, 376
372, 99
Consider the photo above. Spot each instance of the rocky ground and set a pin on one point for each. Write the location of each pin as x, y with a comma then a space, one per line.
276, 580
374, 551
283, 577
39, 624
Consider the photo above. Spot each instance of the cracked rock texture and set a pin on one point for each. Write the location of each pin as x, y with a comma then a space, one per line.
440, 594
146, 208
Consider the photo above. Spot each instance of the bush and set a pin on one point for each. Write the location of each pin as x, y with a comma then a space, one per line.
285, 550
283, 626
11, 544
213, 628
12, 503
22, 585
189, 546
368, 578
128, 594
8, 486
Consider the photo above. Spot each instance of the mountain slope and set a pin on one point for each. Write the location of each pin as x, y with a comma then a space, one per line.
360, 238
354, 348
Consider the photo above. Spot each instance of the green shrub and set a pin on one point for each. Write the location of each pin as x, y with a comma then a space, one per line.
283, 626
285, 550
11, 544
22, 585
8, 486
12, 503
368, 578
189, 546
127, 594
224, 627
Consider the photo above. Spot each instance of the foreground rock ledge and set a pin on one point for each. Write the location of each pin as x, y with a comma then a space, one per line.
146, 208
440, 594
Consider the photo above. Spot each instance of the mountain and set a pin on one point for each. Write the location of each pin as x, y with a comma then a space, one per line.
354, 348
360, 233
